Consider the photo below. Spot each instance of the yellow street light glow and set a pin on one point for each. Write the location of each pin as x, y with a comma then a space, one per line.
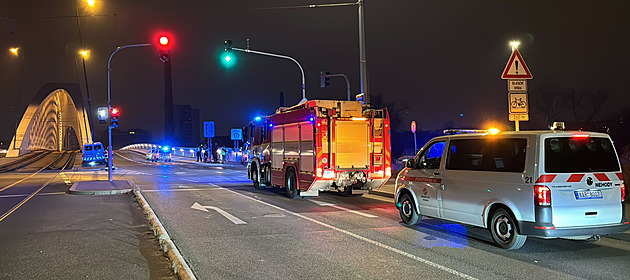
14, 51
514, 44
84, 53
493, 130
91, 2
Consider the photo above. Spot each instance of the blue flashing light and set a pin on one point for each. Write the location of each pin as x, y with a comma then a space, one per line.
165, 148
270, 125
311, 119
258, 118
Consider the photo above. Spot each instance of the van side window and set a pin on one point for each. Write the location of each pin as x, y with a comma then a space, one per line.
430, 158
490, 154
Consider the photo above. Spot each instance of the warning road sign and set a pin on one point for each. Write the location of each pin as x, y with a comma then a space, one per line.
518, 103
516, 68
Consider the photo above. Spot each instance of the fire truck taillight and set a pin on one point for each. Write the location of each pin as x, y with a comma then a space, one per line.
542, 195
388, 171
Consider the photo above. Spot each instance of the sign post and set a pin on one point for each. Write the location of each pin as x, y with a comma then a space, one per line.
208, 132
415, 143
517, 74
236, 135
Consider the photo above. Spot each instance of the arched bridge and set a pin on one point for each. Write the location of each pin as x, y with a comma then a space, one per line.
54, 120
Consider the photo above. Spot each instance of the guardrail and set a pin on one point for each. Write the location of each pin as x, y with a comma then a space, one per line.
231, 154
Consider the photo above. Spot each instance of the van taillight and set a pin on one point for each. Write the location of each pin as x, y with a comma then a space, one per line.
542, 195
623, 192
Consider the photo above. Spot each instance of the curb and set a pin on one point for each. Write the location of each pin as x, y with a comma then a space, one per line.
179, 265
383, 194
73, 190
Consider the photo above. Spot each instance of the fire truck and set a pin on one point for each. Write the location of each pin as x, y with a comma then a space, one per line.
321, 145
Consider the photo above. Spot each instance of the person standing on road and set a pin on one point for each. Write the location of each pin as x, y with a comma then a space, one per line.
199, 149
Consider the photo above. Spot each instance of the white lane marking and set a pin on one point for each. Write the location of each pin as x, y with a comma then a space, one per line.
373, 242
322, 203
227, 215
145, 163
188, 180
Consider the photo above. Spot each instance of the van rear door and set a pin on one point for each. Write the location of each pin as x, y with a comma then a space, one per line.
584, 177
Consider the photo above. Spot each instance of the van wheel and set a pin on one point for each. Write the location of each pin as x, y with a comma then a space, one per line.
407, 209
504, 232
255, 179
291, 184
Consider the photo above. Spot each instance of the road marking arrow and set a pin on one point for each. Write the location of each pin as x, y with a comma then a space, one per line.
227, 215
322, 203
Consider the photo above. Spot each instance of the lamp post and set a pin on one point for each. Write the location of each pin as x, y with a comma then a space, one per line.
110, 153
16, 52
274, 55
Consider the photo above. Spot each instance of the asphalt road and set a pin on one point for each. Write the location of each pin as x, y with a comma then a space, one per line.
54, 235
225, 229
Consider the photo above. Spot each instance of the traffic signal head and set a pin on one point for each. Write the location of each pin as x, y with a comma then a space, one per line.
114, 113
227, 58
324, 79
164, 44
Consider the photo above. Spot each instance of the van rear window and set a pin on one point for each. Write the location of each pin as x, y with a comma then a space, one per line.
589, 154
96, 147
88, 148
490, 154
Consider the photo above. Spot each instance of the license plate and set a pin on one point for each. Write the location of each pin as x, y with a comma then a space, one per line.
588, 194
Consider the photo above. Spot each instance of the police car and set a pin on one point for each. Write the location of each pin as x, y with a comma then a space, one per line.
163, 153
94, 154
549, 184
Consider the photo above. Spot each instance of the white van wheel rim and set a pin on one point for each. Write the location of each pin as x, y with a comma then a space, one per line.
406, 208
503, 228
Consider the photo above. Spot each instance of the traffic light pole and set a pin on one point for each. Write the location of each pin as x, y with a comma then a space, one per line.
345, 77
280, 56
110, 152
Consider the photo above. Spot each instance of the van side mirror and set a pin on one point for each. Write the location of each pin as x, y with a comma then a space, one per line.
409, 163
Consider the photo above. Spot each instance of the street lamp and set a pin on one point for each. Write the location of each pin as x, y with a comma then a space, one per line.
109, 105
228, 60
14, 51
514, 44
91, 2
84, 53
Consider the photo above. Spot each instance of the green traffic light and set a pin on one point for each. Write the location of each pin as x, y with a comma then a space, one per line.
228, 60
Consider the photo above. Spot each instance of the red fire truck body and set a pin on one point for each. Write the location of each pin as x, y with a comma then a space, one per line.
321, 145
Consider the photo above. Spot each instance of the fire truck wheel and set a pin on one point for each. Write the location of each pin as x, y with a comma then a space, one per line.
291, 184
255, 178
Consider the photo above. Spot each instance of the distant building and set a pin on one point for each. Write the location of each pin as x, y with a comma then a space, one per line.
186, 126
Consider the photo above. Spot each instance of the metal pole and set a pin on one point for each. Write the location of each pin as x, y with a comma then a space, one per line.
87, 91
347, 81
110, 152
362, 59
285, 57
415, 144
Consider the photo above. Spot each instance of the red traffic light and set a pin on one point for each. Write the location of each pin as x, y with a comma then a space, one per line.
164, 41
115, 112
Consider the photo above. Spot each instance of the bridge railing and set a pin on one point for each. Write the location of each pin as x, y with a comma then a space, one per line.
231, 154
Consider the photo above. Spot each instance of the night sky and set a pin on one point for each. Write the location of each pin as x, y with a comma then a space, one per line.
429, 60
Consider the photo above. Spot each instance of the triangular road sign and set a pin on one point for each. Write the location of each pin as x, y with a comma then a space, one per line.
516, 68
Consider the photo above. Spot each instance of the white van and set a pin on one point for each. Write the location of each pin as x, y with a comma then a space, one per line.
547, 184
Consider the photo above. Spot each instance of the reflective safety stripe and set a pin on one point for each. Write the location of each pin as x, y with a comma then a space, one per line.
601, 177
546, 178
422, 179
619, 175
575, 178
